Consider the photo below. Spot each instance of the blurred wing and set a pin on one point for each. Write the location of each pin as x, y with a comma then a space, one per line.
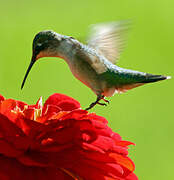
109, 38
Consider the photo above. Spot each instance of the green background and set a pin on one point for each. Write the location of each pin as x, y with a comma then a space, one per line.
143, 115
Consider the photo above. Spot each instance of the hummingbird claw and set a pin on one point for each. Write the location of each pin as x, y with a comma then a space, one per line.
105, 100
97, 102
102, 104
91, 106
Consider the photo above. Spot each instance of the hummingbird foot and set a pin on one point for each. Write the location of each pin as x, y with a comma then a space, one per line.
105, 100
97, 102
91, 106
102, 104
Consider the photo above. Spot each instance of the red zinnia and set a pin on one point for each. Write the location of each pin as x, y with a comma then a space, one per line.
59, 141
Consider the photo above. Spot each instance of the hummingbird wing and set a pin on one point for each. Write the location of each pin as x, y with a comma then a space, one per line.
109, 38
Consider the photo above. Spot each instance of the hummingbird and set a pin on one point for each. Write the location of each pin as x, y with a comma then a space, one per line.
93, 63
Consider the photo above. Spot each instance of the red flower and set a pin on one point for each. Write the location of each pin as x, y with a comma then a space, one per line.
59, 141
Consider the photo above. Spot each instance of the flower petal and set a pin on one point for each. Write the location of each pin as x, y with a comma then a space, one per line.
66, 103
124, 161
13, 134
1, 98
13, 169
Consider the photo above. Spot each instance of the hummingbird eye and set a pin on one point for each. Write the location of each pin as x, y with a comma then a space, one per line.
38, 47
39, 44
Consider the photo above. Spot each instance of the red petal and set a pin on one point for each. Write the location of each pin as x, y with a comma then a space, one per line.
8, 149
124, 161
13, 134
107, 143
11, 108
76, 114
124, 143
107, 169
64, 102
21, 105
116, 137
50, 113
88, 172
131, 176
13, 169
6, 108
31, 128
38, 104
95, 117
29, 113
1, 98
95, 156
52, 109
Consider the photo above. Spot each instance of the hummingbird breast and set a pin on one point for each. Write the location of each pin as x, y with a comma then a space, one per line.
86, 67
83, 71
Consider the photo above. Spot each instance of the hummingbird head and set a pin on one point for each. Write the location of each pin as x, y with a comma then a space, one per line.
45, 44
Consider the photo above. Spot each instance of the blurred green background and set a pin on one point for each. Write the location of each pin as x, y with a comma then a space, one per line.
143, 115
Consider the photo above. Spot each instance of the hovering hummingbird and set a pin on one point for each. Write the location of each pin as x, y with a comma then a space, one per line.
93, 64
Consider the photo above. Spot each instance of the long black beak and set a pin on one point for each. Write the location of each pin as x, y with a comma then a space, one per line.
33, 60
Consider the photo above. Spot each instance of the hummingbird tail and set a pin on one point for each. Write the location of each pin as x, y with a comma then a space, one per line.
149, 78
154, 78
